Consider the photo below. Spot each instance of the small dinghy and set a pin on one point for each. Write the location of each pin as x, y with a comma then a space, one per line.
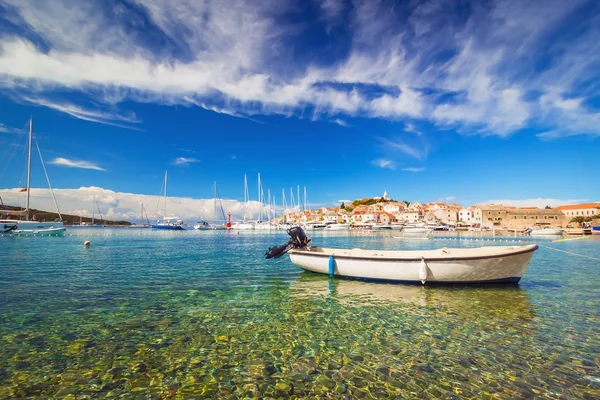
493, 264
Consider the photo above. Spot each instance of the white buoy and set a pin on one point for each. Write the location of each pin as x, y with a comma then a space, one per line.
423, 271
87, 243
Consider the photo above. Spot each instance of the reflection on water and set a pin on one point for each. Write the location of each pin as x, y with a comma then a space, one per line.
501, 301
205, 316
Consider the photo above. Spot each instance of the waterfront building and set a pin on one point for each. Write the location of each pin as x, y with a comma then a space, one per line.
580, 210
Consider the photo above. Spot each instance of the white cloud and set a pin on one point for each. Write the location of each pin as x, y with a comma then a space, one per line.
185, 160
107, 118
413, 169
418, 152
8, 129
118, 205
383, 163
539, 202
341, 122
65, 162
477, 70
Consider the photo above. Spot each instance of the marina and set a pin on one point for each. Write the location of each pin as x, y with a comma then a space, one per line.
203, 314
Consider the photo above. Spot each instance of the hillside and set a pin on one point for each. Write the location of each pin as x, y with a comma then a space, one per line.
67, 219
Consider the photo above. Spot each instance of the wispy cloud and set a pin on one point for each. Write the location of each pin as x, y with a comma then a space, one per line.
341, 122
413, 169
65, 162
102, 117
383, 163
185, 160
418, 152
411, 128
8, 129
491, 70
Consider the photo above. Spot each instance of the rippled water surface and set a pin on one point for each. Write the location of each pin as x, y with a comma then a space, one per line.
144, 314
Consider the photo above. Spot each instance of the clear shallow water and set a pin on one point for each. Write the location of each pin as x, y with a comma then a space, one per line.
145, 314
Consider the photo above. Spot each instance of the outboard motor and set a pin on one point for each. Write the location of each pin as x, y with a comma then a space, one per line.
298, 240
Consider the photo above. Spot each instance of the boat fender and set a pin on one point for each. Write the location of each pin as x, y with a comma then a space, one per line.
423, 271
331, 266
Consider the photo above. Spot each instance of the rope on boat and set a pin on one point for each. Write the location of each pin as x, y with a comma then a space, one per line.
569, 252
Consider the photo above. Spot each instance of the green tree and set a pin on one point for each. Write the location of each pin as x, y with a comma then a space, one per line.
342, 205
548, 208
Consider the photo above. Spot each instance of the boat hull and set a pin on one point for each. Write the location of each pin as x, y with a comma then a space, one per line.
422, 233
168, 227
547, 232
338, 227
505, 266
40, 232
596, 230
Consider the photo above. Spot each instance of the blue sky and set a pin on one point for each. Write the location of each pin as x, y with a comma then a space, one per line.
464, 101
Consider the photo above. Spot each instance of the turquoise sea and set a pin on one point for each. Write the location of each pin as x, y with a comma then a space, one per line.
156, 315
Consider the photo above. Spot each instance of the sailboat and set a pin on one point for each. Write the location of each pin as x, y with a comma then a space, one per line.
95, 207
143, 216
205, 226
168, 223
32, 227
244, 225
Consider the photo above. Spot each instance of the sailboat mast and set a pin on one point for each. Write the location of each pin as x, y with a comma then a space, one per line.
246, 195
29, 168
93, 208
165, 194
299, 199
269, 204
305, 202
259, 199
215, 202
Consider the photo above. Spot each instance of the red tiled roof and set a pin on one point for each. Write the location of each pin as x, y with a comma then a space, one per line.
579, 206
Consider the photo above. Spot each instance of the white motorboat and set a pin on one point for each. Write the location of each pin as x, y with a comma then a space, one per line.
243, 226
417, 232
315, 226
337, 227
547, 232
493, 264
382, 227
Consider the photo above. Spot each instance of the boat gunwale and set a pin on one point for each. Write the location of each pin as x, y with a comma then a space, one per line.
389, 259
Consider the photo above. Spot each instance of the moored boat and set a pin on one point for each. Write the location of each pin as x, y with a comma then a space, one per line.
546, 232
417, 232
493, 264
32, 227
337, 227
595, 230
168, 223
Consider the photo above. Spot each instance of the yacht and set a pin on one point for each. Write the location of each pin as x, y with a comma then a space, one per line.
168, 223
31, 227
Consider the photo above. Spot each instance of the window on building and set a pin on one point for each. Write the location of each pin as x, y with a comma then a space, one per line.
556, 217
498, 212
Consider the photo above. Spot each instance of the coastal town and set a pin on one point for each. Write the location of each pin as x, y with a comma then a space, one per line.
384, 210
